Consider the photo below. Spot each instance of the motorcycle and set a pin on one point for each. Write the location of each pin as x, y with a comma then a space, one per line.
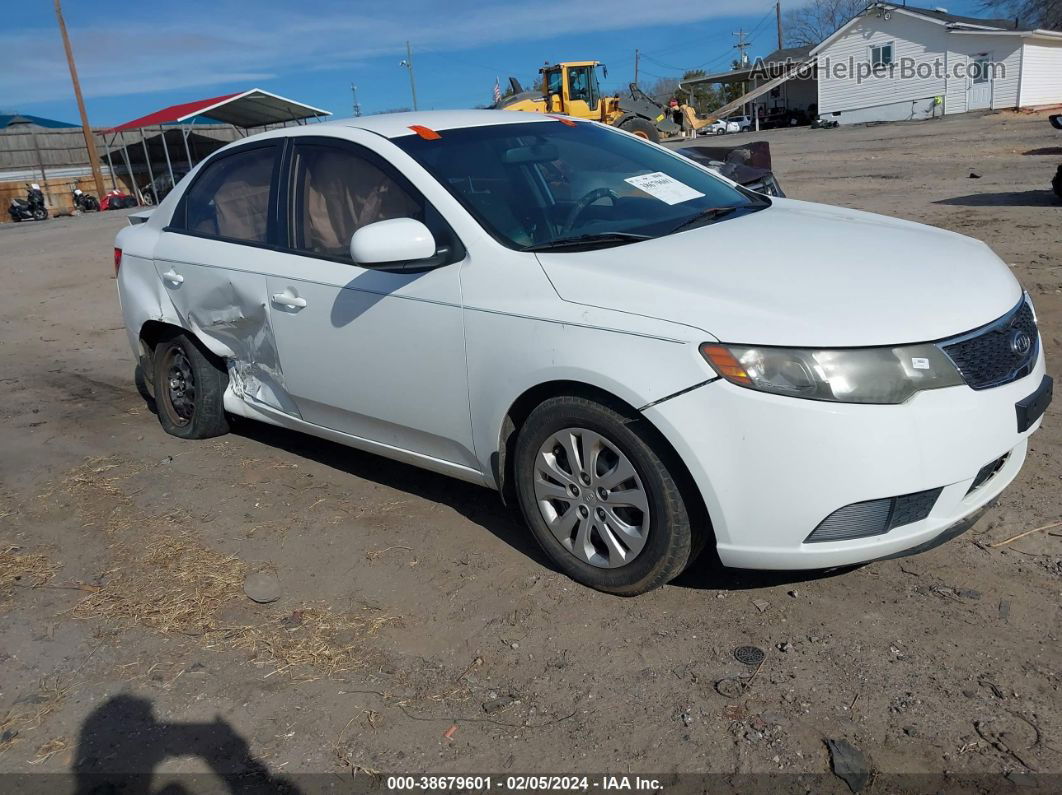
117, 200
1056, 183
31, 208
85, 202
158, 189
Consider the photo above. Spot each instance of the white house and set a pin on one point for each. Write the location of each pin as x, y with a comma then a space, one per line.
895, 62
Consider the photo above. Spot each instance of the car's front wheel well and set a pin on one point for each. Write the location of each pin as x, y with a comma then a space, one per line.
535, 396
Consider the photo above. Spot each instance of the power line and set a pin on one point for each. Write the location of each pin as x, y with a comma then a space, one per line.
724, 56
661, 63
768, 15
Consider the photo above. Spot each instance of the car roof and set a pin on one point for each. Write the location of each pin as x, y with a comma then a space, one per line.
395, 125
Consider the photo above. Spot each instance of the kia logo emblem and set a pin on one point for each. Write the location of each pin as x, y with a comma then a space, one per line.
1020, 342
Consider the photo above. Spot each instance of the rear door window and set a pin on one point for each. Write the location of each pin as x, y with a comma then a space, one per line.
230, 199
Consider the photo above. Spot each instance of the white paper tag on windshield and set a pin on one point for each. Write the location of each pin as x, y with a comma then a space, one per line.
660, 186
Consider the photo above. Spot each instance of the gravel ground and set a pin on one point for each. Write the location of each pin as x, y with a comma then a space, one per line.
418, 628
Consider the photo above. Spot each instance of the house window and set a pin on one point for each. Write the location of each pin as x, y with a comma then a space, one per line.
981, 70
881, 55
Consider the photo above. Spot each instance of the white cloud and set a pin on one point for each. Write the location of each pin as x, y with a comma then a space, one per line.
196, 43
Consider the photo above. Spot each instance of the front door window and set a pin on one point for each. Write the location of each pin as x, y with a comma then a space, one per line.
336, 192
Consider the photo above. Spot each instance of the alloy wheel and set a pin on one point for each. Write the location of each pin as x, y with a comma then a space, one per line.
591, 497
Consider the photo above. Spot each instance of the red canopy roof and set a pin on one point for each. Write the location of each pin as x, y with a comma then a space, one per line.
251, 108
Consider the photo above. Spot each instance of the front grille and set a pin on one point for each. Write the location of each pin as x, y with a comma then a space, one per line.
874, 517
985, 473
993, 356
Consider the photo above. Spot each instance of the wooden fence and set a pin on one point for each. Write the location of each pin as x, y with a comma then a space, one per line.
56, 159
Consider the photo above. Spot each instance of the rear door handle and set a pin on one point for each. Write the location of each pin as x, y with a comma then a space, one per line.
288, 300
173, 276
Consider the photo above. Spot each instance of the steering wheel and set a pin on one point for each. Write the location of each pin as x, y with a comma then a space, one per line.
580, 206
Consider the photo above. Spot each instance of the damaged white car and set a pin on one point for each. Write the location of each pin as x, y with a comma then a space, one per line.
643, 355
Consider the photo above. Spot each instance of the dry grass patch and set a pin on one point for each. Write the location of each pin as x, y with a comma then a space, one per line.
31, 715
174, 584
49, 749
23, 570
318, 638
96, 492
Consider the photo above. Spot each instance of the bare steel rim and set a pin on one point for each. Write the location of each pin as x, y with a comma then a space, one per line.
591, 498
179, 390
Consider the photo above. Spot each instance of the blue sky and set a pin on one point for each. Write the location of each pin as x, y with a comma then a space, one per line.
135, 57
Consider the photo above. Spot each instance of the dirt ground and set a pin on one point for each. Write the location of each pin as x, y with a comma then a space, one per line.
419, 629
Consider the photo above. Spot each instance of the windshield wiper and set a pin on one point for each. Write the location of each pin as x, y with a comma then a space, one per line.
704, 216
580, 241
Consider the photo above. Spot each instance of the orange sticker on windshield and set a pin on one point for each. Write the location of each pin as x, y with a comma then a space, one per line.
564, 121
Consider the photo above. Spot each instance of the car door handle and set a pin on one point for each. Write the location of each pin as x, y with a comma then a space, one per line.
288, 300
173, 276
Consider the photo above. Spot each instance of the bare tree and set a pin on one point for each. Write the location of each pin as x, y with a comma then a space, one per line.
813, 22
663, 89
1029, 13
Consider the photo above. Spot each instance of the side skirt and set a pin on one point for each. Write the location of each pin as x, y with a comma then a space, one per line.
242, 408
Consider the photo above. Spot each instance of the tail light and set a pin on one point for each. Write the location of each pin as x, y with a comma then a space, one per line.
117, 260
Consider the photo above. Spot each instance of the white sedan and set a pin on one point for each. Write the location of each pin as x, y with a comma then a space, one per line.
645, 357
720, 127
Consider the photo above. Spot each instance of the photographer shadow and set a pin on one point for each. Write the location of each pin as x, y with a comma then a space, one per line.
121, 744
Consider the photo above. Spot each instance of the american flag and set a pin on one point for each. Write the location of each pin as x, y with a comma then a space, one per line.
497, 90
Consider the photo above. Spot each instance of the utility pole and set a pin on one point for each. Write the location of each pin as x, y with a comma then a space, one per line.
742, 45
357, 107
743, 60
778, 19
90, 142
408, 63
635, 66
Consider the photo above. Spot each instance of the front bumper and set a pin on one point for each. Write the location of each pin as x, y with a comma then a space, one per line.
771, 468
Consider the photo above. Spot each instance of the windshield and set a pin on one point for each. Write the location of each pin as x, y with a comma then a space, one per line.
541, 186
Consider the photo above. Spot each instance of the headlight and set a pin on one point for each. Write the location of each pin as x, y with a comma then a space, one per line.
852, 375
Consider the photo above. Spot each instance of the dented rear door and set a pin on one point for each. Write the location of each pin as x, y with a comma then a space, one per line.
211, 262
219, 293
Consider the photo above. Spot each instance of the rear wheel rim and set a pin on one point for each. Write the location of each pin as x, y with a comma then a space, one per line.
591, 498
642, 134
179, 392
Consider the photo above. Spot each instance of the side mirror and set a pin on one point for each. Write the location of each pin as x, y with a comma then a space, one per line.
395, 244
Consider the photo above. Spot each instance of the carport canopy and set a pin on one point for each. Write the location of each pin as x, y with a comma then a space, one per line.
253, 108
244, 110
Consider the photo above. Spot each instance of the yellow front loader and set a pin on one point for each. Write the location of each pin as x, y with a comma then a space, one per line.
572, 88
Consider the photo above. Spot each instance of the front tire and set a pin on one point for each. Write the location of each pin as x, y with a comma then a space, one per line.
189, 389
600, 499
642, 128
1056, 183
40, 214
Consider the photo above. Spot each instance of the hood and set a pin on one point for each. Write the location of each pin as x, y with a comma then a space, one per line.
799, 274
